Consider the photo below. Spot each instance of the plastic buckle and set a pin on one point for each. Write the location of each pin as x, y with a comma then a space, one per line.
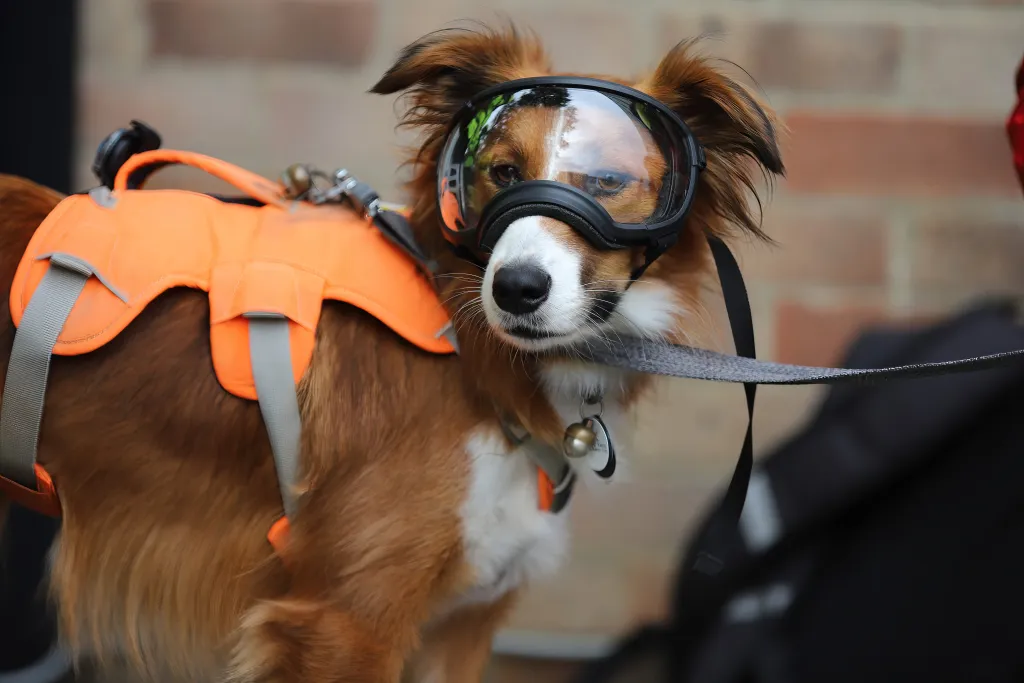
117, 147
360, 195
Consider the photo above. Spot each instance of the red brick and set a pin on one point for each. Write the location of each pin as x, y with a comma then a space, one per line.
840, 245
718, 33
112, 33
815, 336
330, 122
966, 254
896, 156
416, 19
595, 41
340, 33
832, 57
801, 56
263, 123
964, 3
710, 415
969, 67
216, 112
644, 514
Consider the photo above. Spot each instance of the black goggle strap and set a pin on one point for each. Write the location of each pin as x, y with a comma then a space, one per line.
651, 254
723, 524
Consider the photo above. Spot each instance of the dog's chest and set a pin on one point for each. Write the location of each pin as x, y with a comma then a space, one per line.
507, 538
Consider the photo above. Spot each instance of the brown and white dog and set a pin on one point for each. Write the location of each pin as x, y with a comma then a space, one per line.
420, 521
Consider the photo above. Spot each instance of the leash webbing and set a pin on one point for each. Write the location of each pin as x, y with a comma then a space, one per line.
697, 586
687, 362
676, 360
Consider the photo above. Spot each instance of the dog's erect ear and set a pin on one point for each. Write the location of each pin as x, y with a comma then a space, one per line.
445, 68
723, 114
729, 121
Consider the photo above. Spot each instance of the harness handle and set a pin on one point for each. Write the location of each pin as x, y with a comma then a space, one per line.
139, 167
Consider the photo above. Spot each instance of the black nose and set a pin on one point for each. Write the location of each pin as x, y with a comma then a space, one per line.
521, 289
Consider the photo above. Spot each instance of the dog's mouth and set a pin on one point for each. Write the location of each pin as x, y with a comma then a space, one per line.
560, 322
521, 331
539, 338
533, 333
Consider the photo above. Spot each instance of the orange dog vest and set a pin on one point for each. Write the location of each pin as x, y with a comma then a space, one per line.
98, 259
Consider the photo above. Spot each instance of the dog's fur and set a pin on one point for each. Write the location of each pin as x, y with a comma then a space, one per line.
421, 522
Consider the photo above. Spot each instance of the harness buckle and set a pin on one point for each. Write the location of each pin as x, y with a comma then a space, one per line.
301, 183
361, 196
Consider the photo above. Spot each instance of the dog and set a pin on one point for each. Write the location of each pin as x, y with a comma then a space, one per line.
420, 523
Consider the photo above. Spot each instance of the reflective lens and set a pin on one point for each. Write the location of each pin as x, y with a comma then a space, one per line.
621, 151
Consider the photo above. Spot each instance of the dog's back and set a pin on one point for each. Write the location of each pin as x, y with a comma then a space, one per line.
121, 426
167, 482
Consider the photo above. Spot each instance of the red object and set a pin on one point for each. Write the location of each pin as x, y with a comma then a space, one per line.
1015, 127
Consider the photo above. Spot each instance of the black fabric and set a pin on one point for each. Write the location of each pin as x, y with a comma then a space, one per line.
903, 518
924, 584
37, 123
37, 108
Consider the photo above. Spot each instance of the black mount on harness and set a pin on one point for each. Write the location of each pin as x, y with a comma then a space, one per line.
117, 147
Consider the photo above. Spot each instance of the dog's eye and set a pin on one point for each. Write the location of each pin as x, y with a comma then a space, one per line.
605, 183
504, 175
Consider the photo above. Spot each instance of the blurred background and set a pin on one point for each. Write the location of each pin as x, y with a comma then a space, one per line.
901, 201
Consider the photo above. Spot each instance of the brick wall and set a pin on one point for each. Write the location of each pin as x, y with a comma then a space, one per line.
901, 201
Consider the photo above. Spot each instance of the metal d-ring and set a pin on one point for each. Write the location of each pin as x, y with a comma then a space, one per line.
567, 478
589, 401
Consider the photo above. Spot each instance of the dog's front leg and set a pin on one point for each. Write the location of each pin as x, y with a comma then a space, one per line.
309, 640
353, 608
457, 649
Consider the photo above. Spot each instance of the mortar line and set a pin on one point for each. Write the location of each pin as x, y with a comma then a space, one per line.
899, 267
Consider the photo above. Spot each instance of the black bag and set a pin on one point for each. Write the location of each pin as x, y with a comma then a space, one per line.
883, 543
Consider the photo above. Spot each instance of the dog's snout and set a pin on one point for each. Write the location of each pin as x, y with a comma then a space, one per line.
521, 288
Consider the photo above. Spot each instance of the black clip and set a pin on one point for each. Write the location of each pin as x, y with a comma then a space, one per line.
117, 147
361, 196
702, 159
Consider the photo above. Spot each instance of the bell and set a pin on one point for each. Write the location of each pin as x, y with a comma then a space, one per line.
297, 180
579, 440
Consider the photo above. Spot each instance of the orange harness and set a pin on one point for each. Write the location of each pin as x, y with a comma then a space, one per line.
98, 260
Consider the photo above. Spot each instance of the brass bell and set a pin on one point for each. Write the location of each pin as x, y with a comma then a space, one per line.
579, 440
297, 180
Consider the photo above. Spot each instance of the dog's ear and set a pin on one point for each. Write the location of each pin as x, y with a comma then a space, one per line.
444, 69
734, 127
722, 113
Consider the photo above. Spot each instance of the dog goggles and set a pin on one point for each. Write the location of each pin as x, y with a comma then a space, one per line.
615, 164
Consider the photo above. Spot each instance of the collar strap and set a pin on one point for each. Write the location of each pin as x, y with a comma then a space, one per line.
555, 476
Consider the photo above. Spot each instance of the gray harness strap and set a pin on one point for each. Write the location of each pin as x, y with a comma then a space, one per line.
28, 370
270, 351
546, 458
554, 464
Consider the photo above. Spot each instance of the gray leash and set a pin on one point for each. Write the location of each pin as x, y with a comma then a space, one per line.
674, 360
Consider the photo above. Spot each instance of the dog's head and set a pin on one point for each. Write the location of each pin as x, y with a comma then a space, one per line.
545, 287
